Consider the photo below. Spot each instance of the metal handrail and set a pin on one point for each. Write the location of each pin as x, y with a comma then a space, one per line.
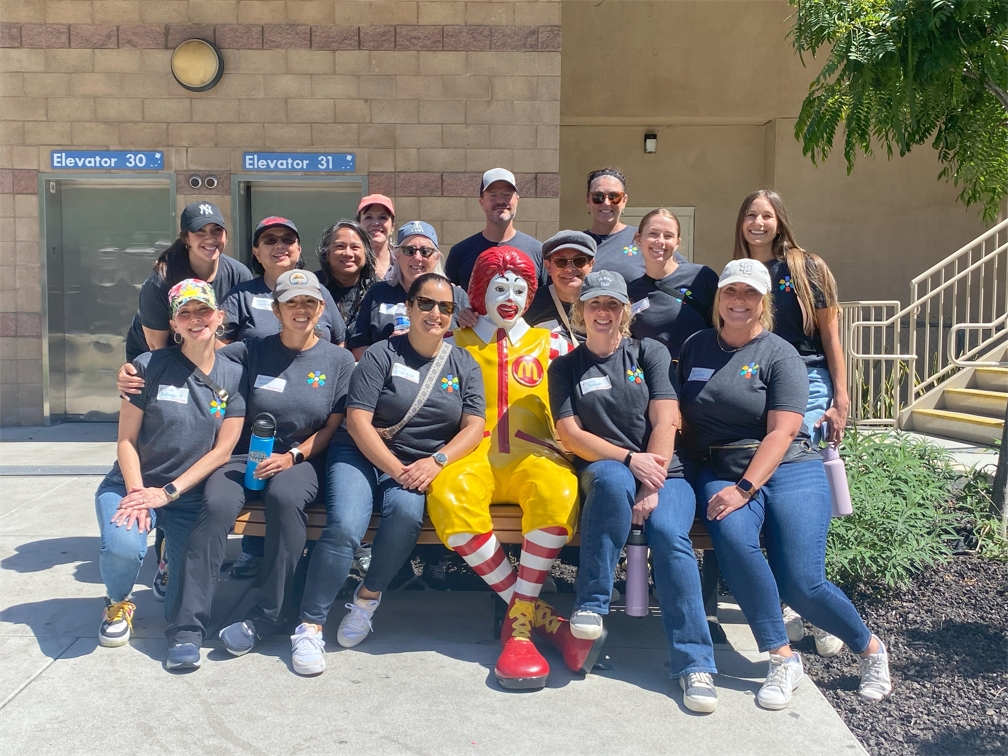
962, 361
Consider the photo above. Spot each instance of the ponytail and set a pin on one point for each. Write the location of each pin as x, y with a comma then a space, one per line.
173, 264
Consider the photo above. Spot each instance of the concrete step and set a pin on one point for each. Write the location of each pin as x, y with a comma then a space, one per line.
991, 378
958, 425
976, 402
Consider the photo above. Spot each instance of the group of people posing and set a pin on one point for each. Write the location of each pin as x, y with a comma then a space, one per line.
598, 380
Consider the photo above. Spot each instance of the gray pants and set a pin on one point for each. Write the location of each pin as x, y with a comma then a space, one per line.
285, 497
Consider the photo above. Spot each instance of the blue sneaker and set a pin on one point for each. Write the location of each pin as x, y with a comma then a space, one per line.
238, 638
183, 656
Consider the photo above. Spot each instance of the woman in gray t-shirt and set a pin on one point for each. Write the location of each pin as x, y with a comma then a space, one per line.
616, 409
173, 433
743, 397
380, 464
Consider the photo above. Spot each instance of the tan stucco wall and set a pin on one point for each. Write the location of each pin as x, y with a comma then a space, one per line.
719, 83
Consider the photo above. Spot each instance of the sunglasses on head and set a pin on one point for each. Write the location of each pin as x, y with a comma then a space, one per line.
614, 197
562, 262
269, 239
409, 251
426, 304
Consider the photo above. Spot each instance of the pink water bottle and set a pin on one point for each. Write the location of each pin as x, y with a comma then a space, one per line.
836, 474
636, 573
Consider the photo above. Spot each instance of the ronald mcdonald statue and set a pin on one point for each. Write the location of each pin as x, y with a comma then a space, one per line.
518, 462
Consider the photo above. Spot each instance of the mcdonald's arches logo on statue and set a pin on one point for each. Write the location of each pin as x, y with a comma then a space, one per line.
528, 371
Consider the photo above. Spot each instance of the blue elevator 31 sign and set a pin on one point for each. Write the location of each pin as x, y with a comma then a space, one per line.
288, 162
79, 160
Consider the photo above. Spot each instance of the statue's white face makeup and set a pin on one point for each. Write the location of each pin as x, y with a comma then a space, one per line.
505, 299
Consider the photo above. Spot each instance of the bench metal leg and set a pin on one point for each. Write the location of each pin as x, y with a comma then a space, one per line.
709, 588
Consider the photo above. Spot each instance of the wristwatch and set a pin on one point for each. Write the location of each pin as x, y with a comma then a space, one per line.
747, 488
441, 458
297, 454
171, 491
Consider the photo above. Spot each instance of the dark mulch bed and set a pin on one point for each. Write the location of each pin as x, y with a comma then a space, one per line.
947, 636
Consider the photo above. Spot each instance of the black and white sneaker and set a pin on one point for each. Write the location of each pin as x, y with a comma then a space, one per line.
117, 623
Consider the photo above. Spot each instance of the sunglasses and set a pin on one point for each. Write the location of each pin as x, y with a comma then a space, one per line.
614, 197
425, 252
426, 304
562, 262
269, 240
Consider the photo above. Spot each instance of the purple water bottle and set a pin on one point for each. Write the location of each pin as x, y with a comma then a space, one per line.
836, 475
636, 572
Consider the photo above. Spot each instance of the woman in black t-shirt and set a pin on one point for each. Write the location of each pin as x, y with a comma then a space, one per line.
173, 432
380, 464
348, 267
744, 391
616, 409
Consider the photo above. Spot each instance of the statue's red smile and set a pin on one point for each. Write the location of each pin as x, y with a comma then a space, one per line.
508, 310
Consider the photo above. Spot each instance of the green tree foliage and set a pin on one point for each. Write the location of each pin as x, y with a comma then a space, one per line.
902, 72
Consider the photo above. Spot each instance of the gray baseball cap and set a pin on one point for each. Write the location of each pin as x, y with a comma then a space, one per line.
604, 283
498, 174
295, 283
577, 240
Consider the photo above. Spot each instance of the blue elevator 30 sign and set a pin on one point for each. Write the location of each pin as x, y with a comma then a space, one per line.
288, 162
79, 160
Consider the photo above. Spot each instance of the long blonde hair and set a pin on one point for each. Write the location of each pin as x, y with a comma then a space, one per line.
766, 318
808, 271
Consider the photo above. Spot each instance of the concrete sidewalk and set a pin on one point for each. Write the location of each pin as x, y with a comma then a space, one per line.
423, 683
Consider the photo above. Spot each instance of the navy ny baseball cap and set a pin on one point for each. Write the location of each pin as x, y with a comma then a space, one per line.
199, 214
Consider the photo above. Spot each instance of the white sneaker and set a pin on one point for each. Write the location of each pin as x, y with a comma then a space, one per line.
586, 625
307, 650
782, 678
699, 693
825, 644
793, 624
875, 681
357, 624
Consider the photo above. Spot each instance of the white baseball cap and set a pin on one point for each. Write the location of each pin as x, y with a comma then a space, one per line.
746, 271
498, 174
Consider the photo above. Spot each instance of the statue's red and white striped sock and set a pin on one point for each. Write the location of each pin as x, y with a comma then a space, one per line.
488, 560
539, 549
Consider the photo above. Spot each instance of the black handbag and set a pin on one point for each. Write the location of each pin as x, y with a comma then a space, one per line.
730, 461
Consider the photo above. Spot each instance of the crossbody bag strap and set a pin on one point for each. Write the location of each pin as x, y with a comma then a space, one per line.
205, 379
425, 389
562, 313
683, 299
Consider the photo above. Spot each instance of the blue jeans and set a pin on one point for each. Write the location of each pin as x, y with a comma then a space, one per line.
123, 551
820, 397
355, 490
608, 490
793, 510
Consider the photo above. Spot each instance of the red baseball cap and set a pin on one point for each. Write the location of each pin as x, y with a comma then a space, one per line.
272, 222
376, 199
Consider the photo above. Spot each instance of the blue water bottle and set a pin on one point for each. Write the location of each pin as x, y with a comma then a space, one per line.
260, 448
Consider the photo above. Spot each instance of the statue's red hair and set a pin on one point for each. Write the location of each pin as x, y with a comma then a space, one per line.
497, 261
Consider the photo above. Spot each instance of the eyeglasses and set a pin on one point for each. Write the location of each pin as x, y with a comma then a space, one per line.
409, 251
269, 240
614, 197
426, 304
562, 262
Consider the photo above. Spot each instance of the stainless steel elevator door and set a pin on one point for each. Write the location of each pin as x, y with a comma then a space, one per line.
109, 235
313, 208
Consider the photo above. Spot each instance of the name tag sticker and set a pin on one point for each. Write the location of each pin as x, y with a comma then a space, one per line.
392, 308
262, 303
639, 305
178, 394
595, 384
401, 371
270, 383
700, 374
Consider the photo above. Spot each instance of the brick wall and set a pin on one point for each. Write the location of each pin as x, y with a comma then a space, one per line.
427, 94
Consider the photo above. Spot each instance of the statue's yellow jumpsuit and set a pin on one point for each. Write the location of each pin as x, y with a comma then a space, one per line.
518, 461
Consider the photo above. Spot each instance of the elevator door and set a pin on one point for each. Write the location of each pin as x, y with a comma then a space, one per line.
102, 238
312, 206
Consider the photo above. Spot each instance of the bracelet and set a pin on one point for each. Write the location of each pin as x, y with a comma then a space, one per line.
626, 459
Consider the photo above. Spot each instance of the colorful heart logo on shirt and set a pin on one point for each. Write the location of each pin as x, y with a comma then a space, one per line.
785, 283
450, 383
217, 407
635, 375
630, 250
748, 371
316, 379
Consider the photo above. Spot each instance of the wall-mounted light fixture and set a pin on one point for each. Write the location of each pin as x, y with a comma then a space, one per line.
197, 65
650, 143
